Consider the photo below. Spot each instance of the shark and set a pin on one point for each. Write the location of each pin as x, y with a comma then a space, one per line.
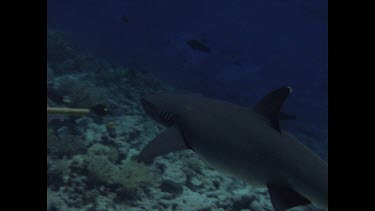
244, 142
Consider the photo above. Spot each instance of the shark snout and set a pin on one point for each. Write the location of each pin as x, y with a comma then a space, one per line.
149, 108
145, 104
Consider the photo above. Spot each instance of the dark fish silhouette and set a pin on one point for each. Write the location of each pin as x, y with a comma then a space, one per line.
244, 142
237, 62
100, 110
125, 19
197, 45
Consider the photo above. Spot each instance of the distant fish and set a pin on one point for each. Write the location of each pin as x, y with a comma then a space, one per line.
237, 63
197, 45
100, 110
125, 19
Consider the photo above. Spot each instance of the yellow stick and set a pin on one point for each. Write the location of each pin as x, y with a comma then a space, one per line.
68, 111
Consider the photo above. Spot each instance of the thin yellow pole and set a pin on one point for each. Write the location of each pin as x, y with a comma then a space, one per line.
68, 111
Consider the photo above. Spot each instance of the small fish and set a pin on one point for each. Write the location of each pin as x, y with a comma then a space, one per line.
237, 63
125, 19
197, 45
100, 110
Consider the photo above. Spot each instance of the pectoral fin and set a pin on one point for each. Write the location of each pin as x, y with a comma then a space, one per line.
169, 140
283, 197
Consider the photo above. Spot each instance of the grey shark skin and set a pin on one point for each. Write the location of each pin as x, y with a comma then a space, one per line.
243, 142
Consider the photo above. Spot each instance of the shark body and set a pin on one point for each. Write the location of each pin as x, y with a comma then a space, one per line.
243, 142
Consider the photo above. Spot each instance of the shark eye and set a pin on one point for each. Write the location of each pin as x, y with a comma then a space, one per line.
166, 117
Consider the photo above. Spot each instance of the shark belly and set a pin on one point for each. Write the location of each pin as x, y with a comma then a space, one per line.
308, 174
231, 167
313, 183
228, 152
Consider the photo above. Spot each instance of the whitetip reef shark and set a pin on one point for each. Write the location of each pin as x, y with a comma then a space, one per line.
245, 142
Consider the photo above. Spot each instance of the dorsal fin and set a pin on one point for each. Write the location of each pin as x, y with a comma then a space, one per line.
269, 106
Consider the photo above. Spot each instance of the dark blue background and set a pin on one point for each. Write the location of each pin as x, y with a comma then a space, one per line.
277, 43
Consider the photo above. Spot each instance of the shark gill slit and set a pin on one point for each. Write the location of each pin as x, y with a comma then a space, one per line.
166, 117
169, 119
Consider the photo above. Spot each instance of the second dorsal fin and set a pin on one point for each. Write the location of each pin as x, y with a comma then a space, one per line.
270, 105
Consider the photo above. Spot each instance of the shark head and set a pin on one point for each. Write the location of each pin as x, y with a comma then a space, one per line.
161, 108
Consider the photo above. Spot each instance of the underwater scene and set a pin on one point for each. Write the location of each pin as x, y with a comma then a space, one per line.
187, 105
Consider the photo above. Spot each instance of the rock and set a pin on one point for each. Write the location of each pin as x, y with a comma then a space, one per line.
195, 183
83, 122
94, 132
173, 180
193, 201
101, 150
260, 204
63, 132
55, 202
